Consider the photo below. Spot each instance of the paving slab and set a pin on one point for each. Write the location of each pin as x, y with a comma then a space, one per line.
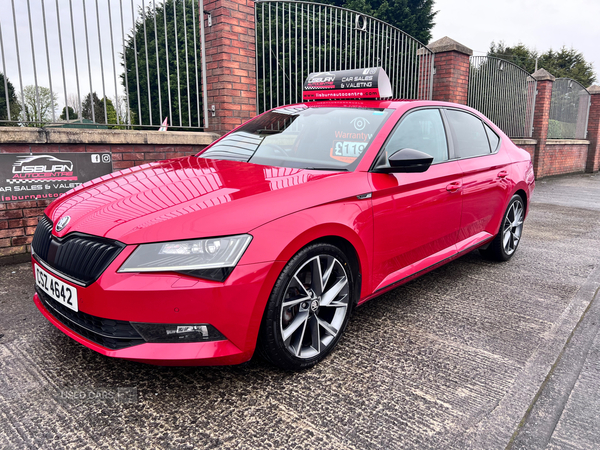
473, 355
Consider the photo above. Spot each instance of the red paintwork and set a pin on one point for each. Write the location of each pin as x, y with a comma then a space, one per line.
410, 225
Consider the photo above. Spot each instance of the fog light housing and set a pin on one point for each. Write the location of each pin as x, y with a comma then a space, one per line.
169, 333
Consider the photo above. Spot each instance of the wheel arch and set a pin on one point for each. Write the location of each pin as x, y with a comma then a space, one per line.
355, 243
348, 249
521, 193
342, 237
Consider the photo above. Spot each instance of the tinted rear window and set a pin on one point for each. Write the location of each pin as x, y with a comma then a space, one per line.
469, 136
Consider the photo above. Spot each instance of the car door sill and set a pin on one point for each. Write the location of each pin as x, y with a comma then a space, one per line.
429, 263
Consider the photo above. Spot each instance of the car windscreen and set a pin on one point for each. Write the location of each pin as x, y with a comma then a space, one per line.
303, 137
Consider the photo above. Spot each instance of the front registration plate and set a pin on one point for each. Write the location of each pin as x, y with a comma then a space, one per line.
58, 290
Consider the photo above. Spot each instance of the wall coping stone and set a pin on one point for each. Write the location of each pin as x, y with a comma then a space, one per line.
567, 142
29, 135
446, 44
595, 89
524, 141
543, 75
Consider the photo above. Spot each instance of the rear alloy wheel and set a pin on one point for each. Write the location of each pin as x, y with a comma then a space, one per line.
309, 308
507, 240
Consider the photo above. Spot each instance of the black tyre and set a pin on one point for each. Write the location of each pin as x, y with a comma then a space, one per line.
504, 245
308, 309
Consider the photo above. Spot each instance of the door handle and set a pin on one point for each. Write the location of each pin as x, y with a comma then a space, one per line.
454, 187
502, 174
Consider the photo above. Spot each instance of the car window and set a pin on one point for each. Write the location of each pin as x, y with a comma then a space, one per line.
303, 137
469, 136
421, 130
492, 137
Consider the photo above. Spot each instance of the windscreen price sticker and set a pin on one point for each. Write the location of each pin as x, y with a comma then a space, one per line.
347, 151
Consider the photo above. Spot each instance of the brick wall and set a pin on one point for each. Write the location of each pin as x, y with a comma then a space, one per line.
541, 117
562, 157
18, 220
453, 81
451, 70
593, 159
230, 63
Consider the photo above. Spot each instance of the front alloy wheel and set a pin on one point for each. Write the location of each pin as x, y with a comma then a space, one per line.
309, 307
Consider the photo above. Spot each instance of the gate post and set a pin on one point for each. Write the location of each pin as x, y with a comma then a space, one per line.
451, 70
230, 63
541, 118
593, 159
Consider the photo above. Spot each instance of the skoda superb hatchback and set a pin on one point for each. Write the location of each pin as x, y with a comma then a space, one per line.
272, 235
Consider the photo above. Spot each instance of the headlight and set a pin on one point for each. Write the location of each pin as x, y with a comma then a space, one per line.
212, 258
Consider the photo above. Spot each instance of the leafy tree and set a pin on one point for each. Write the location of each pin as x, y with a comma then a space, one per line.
98, 115
72, 114
519, 55
15, 106
111, 112
95, 113
414, 17
568, 63
40, 104
565, 63
165, 100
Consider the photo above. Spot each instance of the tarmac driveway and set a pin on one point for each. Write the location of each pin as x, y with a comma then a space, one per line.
472, 355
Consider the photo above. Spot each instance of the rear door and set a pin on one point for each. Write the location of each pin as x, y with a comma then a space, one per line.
486, 182
416, 215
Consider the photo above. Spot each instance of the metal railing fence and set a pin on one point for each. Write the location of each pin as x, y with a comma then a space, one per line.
295, 38
569, 110
101, 63
503, 92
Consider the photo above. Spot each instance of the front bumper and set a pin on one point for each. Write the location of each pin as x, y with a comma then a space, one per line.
234, 308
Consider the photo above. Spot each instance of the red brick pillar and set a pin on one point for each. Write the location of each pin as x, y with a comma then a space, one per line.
541, 118
230, 63
593, 159
451, 70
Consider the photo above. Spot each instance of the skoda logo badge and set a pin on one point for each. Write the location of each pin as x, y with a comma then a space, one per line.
62, 223
314, 306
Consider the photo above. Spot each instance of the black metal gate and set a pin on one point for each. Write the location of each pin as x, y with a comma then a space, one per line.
295, 38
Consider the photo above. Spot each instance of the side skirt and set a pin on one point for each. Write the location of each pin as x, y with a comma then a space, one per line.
411, 272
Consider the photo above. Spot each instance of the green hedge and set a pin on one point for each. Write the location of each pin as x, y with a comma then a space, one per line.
561, 130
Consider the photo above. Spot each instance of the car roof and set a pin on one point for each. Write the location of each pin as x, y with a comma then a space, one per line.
387, 103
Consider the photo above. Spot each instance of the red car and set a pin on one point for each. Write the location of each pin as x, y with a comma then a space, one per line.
272, 235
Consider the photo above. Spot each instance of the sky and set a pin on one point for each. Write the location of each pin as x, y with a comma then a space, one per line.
535, 23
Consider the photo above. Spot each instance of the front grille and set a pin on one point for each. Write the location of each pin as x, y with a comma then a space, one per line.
112, 334
79, 256
42, 238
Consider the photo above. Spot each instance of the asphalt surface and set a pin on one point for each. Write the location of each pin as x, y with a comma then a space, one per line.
474, 355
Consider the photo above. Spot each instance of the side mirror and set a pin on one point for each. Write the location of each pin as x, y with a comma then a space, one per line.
406, 160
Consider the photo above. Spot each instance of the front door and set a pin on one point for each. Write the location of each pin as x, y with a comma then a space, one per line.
416, 215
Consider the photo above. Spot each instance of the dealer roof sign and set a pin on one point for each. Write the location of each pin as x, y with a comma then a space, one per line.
367, 83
